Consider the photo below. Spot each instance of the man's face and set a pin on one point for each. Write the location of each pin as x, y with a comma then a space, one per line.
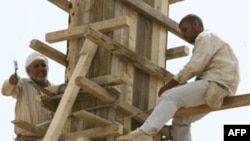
188, 31
37, 71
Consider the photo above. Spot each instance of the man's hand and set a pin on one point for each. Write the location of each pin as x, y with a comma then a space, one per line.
170, 84
13, 79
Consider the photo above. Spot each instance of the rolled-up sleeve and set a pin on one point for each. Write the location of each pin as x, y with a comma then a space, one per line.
9, 89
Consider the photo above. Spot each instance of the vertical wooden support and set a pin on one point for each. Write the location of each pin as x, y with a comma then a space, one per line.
159, 36
103, 10
126, 37
79, 14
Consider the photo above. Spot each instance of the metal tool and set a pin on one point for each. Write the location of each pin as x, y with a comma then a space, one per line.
16, 68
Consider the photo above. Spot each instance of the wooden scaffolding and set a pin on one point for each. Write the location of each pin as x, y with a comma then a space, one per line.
115, 64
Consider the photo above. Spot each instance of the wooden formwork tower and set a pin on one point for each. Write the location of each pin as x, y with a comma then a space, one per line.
121, 45
115, 65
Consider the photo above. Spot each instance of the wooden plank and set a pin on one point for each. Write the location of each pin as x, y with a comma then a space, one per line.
97, 133
177, 52
92, 118
48, 51
157, 55
127, 37
149, 12
157, 51
126, 54
77, 31
229, 102
113, 89
92, 88
107, 80
111, 79
63, 4
86, 55
40, 132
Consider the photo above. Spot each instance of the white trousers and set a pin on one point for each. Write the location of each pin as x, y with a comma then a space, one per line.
187, 95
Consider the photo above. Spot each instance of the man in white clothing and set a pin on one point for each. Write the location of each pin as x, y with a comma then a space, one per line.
22, 89
215, 67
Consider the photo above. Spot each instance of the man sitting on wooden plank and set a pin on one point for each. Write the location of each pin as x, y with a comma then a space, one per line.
215, 67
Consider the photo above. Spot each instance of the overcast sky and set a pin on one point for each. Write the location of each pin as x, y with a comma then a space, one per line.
23, 21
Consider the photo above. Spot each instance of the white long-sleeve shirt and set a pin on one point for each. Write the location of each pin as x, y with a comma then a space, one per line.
27, 108
212, 60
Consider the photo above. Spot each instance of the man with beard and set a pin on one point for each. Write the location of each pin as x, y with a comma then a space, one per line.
27, 109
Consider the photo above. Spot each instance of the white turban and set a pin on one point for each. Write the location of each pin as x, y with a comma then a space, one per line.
33, 57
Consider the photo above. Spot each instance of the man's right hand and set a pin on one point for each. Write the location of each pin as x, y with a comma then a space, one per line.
170, 84
13, 79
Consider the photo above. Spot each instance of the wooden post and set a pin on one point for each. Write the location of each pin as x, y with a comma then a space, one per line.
158, 48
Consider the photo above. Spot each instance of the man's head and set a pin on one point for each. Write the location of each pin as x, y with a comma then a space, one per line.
37, 68
191, 26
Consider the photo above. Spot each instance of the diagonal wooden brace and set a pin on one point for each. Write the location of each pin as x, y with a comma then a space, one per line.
86, 56
118, 49
151, 13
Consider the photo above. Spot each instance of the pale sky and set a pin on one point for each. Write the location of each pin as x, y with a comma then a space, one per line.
23, 21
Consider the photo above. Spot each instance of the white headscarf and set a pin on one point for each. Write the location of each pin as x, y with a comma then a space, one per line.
33, 57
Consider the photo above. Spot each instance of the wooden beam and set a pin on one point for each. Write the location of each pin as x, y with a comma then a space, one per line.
86, 56
97, 133
118, 49
94, 89
155, 15
177, 52
107, 80
157, 55
63, 4
40, 132
92, 118
111, 79
48, 51
229, 102
76, 32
